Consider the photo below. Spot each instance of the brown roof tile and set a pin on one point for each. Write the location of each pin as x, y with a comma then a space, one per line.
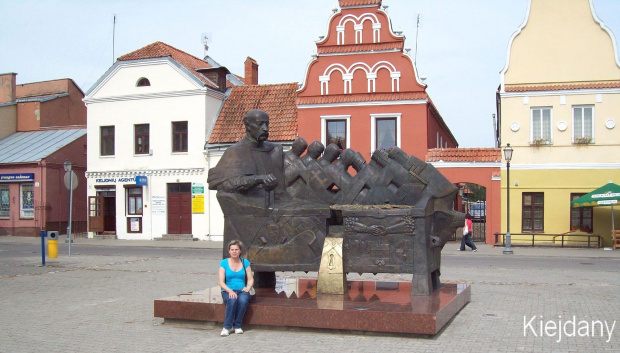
278, 100
362, 97
360, 47
562, 86
161, 50
464, 155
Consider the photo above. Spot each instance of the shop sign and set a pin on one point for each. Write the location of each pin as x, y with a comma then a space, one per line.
142, 180
16, 177
115, 180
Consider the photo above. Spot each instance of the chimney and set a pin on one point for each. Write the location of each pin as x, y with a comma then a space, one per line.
251, 72
7, 87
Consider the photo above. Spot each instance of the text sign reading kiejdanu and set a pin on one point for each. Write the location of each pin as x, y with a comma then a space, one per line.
16, 177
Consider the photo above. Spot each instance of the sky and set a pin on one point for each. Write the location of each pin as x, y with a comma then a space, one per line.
461, 45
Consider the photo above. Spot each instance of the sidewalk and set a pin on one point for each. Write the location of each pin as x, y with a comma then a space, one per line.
450, 249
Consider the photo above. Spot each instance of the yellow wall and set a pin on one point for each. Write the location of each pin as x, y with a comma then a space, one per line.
562, 150
557, 185
561, 42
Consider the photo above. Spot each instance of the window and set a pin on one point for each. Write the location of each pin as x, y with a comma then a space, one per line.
580, 217
143, 82
386, 133
541, 125
134, 201
107, 141
26, 209
533, 212
5, 202
141, 139
336, 132
583, 124
179, 136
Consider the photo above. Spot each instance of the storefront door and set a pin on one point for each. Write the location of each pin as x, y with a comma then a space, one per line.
180, 208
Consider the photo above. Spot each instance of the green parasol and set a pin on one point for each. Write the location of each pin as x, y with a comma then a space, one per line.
606, 195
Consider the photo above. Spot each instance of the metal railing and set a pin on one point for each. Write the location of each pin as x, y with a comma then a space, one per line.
551, 239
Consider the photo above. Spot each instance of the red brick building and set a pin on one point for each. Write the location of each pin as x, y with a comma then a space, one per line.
42, 125
362, 90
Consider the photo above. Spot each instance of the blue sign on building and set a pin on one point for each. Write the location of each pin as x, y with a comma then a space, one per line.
4, 178
142, 180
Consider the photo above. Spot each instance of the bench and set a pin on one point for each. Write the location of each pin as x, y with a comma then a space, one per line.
615, 238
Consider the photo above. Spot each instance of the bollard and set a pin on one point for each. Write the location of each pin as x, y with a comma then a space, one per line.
42, 247
52, 244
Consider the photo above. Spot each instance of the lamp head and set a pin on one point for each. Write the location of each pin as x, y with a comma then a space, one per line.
67, 165
508, 152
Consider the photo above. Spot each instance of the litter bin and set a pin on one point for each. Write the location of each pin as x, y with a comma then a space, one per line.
52, 244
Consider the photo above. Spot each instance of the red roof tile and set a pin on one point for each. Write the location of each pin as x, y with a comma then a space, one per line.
362, 97
278, 100
464, 155
360, 47
562, 86
345, 3
161, 50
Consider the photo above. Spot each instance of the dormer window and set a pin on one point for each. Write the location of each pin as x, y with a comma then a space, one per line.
143, 82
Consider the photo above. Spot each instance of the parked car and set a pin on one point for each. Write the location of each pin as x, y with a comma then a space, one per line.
478, 211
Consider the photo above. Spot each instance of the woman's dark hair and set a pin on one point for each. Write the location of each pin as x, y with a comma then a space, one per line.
236, 242
467, 215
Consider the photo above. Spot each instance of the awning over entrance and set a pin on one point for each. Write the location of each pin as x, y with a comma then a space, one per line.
606, 195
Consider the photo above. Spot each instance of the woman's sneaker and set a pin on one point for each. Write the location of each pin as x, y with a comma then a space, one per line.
225, 332
238, 330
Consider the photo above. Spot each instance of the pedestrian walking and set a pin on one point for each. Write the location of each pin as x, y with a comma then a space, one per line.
467, 229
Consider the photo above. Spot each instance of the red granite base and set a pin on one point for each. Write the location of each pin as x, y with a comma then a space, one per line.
368, 306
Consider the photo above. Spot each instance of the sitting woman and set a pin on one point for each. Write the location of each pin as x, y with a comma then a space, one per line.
236, 280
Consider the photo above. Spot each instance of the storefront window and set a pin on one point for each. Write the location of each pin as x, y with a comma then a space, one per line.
134, 201
27, 201
5, 205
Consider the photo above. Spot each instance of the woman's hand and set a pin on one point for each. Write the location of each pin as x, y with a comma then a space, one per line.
232, 294
245, 289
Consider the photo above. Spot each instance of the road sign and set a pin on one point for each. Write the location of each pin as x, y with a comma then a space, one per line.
74, 183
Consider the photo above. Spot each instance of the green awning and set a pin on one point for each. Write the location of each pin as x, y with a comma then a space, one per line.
606, 195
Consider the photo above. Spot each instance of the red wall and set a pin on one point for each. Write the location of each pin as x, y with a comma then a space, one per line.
484, 177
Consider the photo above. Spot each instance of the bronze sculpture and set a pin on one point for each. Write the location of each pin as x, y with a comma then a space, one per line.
394, 215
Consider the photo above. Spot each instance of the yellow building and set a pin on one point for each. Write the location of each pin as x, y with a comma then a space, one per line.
558, 107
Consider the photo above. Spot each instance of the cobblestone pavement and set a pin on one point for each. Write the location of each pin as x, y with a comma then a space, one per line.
102, 301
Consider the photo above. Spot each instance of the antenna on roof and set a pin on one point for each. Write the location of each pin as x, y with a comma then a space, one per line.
113, 32
205, 38
417, 29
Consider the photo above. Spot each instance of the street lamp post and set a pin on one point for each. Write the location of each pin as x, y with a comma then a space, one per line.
508, 155
67, 165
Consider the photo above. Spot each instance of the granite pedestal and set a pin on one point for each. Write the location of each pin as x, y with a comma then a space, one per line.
368, 306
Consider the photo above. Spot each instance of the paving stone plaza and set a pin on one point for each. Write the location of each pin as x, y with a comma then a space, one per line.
101, 300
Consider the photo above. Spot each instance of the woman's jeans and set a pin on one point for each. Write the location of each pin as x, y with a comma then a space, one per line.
235, 309
467, 241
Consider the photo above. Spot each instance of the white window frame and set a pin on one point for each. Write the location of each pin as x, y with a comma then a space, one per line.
326, 118
6, 188
532, 138
25, 213
582, 107
373, 128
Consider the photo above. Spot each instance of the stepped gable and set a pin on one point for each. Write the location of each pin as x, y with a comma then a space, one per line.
360, 56
162, 50
278, 100
464, 155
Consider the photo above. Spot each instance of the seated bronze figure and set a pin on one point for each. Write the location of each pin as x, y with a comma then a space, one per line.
395, 213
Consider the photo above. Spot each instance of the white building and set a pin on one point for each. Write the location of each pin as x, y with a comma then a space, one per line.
148, 119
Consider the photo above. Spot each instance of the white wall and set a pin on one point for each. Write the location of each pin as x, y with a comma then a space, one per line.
173, 96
